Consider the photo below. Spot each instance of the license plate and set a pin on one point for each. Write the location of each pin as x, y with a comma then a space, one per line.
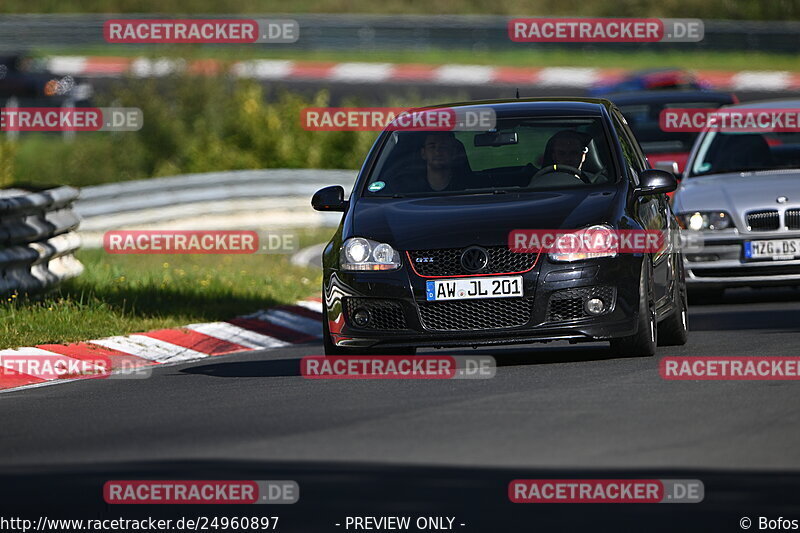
772, 249
474, 288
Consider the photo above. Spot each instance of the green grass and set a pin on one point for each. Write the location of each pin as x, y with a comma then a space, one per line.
192, 124
523, 55
119, 294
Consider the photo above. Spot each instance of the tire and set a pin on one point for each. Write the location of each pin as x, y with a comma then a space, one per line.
674, 330
643, 342
331, 349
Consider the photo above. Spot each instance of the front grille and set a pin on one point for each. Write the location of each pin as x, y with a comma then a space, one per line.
762, 220
447, 261
792, 219
384, 314
569, 303
467, 315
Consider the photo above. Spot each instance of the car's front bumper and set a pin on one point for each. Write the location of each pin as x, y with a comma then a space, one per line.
720, 262
545, 313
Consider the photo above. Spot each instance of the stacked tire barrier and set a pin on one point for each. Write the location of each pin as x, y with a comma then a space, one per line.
37, 239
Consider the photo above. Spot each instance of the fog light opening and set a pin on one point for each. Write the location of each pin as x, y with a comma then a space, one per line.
361, 317
595, 306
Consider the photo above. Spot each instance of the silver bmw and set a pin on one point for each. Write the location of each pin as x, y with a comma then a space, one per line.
741, 195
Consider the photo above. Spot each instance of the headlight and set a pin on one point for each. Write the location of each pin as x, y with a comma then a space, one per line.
363, 254
583, 244
706, 220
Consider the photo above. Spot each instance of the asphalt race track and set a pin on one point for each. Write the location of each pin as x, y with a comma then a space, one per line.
432, 447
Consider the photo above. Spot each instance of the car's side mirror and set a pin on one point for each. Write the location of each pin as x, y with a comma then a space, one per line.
330, 199
668, 166
654, 181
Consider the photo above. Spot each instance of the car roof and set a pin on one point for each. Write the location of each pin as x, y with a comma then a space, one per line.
677, 96
777, 103
549, 106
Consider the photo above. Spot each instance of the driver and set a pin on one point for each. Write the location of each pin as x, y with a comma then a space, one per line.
564, 156
439, 153
567, 147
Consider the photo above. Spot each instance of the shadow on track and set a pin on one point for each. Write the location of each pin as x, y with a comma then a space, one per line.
274, 368
529, 355
735, 311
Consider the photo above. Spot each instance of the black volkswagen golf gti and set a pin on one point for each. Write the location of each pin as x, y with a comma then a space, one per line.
422, 257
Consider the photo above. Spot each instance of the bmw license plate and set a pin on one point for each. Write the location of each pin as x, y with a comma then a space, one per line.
775, 249
474, 288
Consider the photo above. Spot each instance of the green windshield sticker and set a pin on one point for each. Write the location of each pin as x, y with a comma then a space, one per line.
375, 187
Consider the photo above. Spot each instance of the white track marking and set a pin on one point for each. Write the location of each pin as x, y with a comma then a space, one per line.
290, 320
764, 79
361, 72
245, 337
472, 74
150, 348
311, 304
573, 77
263, 69
46, 365
64, 65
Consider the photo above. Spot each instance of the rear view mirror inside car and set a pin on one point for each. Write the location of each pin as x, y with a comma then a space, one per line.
493, 138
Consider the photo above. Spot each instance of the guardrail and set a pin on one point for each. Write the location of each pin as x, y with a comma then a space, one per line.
219, 200
388, 32
37, 239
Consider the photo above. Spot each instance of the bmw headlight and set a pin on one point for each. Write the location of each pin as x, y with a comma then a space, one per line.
589, 243
359, 253
706, 220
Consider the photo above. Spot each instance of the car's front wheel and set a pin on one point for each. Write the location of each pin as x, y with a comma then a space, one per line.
674, 330
643, 342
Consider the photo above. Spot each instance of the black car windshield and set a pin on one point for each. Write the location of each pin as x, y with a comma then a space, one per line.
644, 121
720, 152
520, 154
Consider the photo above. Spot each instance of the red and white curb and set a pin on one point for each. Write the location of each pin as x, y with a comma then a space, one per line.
276, 327
278, 69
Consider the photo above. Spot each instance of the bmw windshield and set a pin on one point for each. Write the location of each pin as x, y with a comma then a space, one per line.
721, 152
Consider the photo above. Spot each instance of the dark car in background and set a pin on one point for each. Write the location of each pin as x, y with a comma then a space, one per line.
642, 110
27, 80
420, 262
651, 80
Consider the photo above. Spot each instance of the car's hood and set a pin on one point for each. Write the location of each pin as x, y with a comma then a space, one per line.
486, 219
737, 193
